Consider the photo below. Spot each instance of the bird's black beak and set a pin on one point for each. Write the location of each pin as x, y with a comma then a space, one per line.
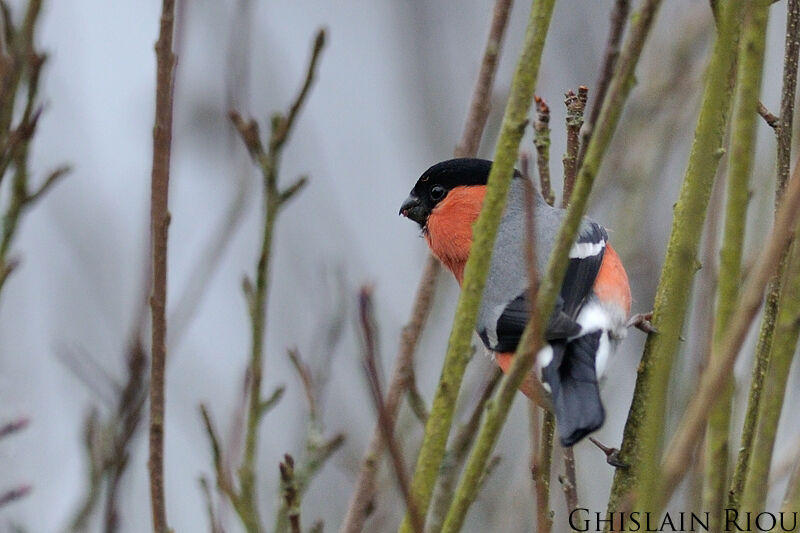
412, 208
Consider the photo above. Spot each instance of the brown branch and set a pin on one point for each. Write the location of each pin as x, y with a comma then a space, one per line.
619, 18
575, 103
541, 140
159, 220
369, 333
481, 96
569, 481
14, 426
540, 471
14, 494
290, 492
362, 500
771, 120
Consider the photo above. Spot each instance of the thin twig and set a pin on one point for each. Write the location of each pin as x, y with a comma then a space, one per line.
575, 103
14, 426
14, 494
290, 492
369, 333
361, 502
258, 295
210, 511
772, 121
570, 481
159, 217
540, 470
541, 140
619, 18
20, 72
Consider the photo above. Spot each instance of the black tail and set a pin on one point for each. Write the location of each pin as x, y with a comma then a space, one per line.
574, 388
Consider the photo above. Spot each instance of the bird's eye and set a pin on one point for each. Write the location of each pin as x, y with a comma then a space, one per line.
437, 193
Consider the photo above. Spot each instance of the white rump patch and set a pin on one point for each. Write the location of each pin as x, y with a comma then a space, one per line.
602, 355
543, 358
594, 317
582, 250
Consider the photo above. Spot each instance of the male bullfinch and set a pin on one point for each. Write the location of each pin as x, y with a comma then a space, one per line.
590, 316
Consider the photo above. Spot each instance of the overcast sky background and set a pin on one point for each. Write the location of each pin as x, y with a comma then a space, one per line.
390, 100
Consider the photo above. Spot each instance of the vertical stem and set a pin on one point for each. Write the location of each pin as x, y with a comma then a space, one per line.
644, 427
765, 335
743, 134
159, 217
541, 473
791, 502
497, 409
787, 329
575, 103
441, 417
362, 499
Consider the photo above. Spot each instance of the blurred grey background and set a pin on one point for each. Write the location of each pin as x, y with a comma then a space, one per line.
391, 99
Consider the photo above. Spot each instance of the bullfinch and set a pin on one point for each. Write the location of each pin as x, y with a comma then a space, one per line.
590, 316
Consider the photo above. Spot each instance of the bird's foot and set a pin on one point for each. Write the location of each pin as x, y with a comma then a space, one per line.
612, 454
641, 321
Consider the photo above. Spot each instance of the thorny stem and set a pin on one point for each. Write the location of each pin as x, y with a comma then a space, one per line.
742, 143
159, 216
643, 429
274, 199
485, 230
363, 495
766, 332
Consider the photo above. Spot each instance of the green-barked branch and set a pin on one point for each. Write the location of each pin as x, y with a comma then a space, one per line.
476, 271
644, 427
742, 153
783, 132
497, 409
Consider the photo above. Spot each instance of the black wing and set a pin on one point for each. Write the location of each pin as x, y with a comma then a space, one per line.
582, 271
577, 286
